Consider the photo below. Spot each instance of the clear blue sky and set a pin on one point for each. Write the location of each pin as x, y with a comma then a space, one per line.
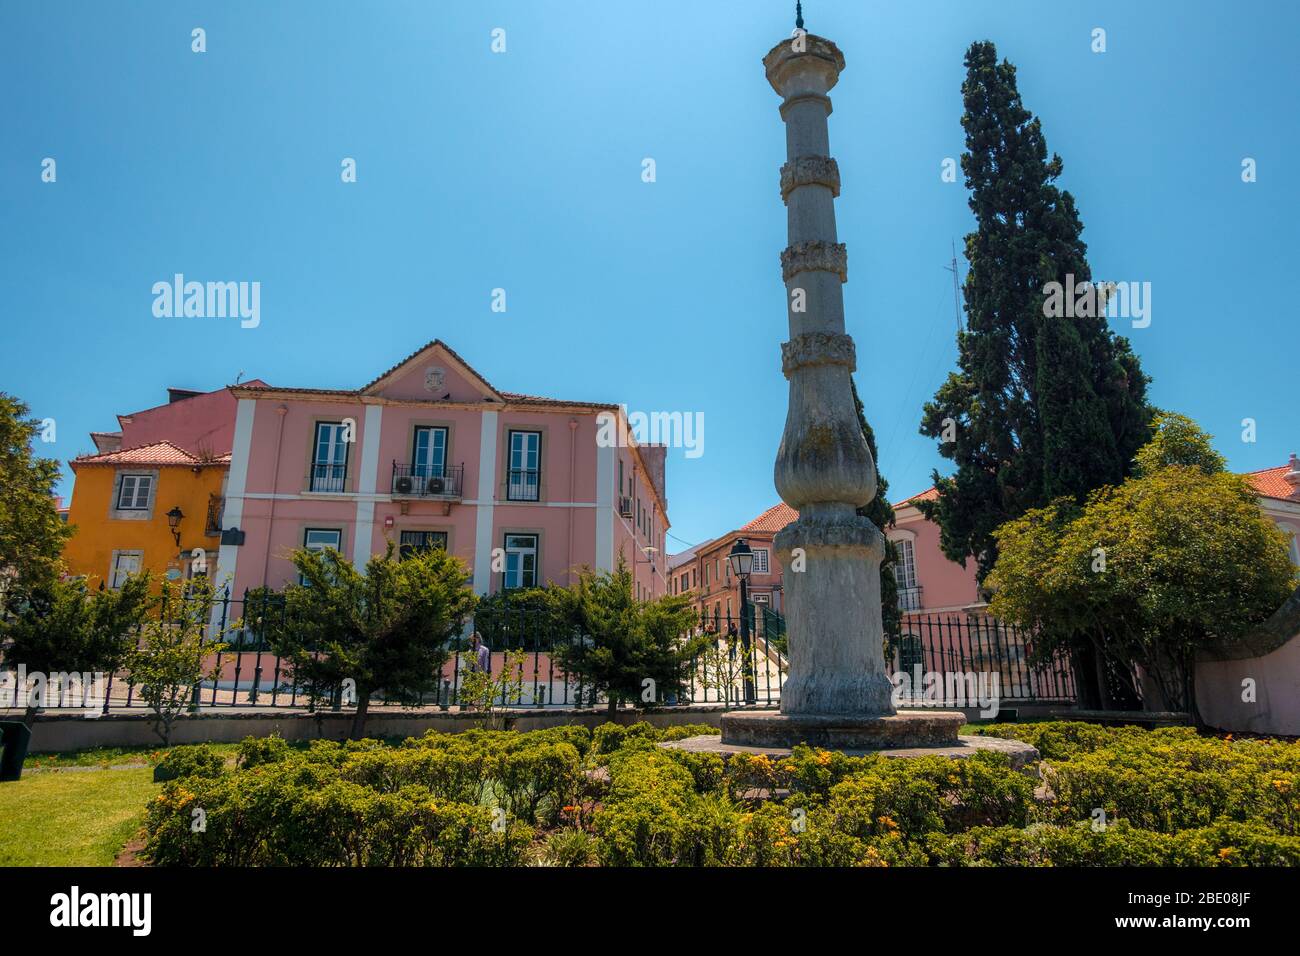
523, 171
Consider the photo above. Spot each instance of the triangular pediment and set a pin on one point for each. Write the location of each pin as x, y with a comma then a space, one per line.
433, 374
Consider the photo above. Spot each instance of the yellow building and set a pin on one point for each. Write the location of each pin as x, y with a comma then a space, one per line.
155, 507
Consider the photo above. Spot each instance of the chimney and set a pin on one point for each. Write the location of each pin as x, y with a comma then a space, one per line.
655, 457
1292, 478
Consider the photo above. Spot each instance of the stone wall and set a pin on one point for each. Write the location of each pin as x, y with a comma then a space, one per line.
1270, 657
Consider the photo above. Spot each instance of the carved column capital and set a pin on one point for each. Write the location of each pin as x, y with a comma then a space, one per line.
808, 171
818, 348
812, 255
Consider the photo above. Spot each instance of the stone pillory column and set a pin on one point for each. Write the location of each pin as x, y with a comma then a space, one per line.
837, 692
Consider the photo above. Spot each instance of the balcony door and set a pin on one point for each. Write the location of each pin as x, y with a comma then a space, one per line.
909, 595
429, 457
330, 458
525, 478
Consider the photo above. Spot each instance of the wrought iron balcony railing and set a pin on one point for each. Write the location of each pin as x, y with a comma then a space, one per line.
425, 481
909, 599
328, 478
212, 522
524, 484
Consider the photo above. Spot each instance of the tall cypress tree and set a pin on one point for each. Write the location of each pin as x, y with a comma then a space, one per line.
1042, 405
881, 513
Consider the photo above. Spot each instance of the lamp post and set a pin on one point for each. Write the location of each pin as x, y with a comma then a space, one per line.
174, 521
742, 563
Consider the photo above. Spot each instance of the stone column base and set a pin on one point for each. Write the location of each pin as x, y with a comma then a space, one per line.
770, 728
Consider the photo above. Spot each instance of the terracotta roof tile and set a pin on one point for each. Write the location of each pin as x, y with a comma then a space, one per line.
540, 400
1269, 482
930, 494
772, 520
158, 453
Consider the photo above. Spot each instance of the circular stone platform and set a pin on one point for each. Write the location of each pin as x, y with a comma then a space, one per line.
771, 728
1023, 756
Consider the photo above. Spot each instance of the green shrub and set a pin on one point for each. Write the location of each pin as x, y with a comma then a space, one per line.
646, 819
1045, 844
534, 777
707, 770
608, 738
575, 735
462, 776
1171, 798
813, 772
1167, 792
569, 847
1235, 844
299, 813
197, 760
254, 751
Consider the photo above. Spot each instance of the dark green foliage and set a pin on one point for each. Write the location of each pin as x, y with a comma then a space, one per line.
31, 532
198, 760
1041, 406
881, 514
631, 651
1170, 798
387, 628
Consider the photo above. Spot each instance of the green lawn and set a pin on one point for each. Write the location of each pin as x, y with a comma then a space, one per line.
71, 817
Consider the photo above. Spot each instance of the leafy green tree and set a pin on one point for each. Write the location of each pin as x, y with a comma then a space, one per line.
1042, 405
175, 655
881, 513
525, 618
62, 627
387, 628
1174, 559
31, 532
621, 643
1178, 441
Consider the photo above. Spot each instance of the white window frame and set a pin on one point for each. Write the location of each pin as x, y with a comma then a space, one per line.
512, 575
309, 545
337, 442
517, 460
434, 464
138, 480
761, 564
117, 571
905, 566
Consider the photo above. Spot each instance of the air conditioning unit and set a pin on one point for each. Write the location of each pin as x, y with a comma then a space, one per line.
625, 506
437, 486
404, 485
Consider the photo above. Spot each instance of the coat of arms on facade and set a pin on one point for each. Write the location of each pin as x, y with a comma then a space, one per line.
433, 379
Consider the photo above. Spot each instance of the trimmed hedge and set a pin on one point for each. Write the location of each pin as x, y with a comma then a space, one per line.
195, 760
570, 797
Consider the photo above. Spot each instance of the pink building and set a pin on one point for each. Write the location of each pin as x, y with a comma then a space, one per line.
526, 490
927, 581
201, 423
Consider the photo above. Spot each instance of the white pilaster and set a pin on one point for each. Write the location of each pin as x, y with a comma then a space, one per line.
605, 457
487, 472
367, 478
236, 485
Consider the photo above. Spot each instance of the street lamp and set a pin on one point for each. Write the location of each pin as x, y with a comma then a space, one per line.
173, 521
741, 559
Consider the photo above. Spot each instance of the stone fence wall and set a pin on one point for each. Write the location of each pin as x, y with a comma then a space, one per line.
1254, 684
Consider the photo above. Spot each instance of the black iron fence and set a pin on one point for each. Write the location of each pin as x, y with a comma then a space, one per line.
957, 646
743, 662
